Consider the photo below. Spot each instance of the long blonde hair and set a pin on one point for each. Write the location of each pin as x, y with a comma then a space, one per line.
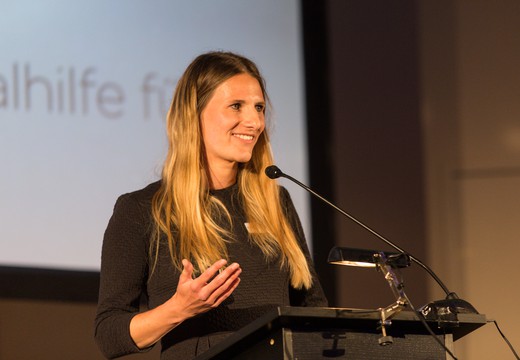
183, 209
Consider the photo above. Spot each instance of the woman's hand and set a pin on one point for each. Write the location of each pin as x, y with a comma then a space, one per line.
209, 290
193, 297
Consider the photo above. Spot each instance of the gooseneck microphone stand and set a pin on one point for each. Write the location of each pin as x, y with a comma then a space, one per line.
452, 303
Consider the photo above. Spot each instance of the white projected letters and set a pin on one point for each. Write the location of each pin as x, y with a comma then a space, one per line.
157, 93
66, 91
73, 91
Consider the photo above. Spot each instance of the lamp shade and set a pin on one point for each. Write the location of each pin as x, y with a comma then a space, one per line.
365, 258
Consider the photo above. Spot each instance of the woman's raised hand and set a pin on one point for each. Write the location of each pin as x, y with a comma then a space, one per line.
193, 296
198, 295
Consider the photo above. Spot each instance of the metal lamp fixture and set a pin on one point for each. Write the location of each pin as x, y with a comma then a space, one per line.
389, 265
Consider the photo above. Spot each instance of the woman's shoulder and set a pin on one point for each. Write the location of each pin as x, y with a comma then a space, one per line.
138, 200
146, 192
285, 196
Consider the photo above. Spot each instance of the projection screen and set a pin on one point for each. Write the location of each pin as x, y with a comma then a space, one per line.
84, 89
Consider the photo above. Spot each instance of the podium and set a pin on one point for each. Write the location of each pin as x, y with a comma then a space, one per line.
297, 333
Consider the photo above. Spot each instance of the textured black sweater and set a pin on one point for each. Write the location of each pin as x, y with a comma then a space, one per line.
125, 280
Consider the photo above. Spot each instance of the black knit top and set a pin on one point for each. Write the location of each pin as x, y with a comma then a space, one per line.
125, 280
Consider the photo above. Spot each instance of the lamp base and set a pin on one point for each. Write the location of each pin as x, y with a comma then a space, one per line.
445, 311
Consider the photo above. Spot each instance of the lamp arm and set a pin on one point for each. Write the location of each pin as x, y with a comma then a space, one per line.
397, 286
392, 276
391, 310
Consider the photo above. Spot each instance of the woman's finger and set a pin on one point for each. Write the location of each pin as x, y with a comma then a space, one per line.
210, 272
187, 271
227, 293
220, 283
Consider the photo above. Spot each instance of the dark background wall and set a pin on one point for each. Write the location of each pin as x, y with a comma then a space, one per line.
377, 138
363, 94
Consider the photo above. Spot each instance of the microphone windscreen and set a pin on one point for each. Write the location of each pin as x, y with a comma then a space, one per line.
273, 172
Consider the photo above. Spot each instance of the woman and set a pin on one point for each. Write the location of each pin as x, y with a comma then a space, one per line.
215, 244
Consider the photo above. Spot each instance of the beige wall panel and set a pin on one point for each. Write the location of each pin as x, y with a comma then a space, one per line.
491, 250
471, 115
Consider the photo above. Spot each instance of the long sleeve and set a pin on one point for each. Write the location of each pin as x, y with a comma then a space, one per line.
124, 271
125, 278
304, 297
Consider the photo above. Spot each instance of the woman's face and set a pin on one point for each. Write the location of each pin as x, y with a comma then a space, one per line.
232, 121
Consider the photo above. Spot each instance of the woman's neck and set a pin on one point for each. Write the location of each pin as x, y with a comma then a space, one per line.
221, 177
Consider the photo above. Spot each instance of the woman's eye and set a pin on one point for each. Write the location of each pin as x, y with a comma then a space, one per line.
260, 108
235, 106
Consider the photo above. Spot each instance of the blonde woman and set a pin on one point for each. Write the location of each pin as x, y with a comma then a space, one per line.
215, 243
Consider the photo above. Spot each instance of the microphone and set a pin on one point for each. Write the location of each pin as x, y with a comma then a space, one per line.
273, 172
452, 301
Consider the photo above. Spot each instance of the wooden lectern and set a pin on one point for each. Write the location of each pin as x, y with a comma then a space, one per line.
296, 333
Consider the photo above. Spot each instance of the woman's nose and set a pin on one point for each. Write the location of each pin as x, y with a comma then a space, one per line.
254, 119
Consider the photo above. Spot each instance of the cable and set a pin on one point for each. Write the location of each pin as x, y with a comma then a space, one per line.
505, 338
423, 321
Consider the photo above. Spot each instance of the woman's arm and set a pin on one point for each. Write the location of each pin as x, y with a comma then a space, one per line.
193, 297
120, 328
